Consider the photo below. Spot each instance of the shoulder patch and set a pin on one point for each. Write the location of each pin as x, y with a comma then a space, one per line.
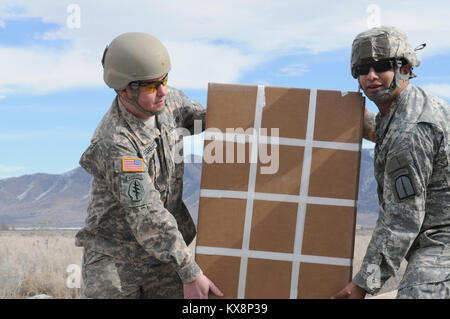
135, 190
401, 171
404, 187
132, 165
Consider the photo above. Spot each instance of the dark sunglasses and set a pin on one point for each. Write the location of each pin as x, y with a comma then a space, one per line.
378, 66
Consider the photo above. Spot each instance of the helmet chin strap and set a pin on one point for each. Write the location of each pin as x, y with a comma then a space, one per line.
134, 101
384, 94
399, 76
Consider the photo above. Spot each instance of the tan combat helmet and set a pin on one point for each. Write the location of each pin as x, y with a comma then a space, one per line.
134, 57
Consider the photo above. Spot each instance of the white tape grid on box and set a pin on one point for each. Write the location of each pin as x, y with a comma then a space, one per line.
217, 193
304, 186
233, 252
302, 199
246, 138
260, 103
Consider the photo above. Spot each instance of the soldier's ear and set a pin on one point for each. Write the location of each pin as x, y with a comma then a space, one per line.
124, 93
406, 69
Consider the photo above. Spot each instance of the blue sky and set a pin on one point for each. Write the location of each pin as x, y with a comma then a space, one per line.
52, 94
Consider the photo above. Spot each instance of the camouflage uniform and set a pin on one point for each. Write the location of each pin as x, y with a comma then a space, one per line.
138, 228
412, 156
435, 290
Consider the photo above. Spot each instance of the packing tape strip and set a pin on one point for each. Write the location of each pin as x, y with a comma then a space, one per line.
304, 186
246, 138
258, 254
260, 103
217, 193
227, 137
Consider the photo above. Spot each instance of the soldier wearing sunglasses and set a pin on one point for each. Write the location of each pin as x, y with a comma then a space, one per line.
412, 169
137, 229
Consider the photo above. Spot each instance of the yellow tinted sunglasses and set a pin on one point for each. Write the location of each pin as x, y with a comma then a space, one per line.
152, 86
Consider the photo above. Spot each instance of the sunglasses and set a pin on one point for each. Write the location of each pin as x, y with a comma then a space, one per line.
150, 87
378, 66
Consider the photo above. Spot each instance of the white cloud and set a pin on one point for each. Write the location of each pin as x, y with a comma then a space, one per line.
55, 35
5, 168
42, 71
195, 64
296, 69
4, 91
208, 40
54, 133
442, 90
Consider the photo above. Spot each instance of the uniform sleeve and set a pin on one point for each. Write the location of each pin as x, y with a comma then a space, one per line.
409, 165
153, 226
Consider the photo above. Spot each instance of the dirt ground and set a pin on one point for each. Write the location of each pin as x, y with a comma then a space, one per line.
34, 262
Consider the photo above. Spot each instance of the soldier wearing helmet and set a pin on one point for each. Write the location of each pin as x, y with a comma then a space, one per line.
412, 156
137, 230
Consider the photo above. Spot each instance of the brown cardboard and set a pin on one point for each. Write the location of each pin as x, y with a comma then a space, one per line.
261, 285
224, 270
321, 281
333, 173
287, 179
273, 226
236, 109
336, 117
332, 240
289, 101
290, 233
215, 222
229, 176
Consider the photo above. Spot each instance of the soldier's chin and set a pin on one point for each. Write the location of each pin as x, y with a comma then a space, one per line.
158, 107
379, 97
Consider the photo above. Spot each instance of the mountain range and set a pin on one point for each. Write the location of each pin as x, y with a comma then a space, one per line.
60, 201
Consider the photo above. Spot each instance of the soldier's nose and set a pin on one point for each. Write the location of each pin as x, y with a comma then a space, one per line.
161, 91
372, 74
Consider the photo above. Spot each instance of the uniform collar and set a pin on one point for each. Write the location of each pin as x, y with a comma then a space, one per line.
137, 125
397, 106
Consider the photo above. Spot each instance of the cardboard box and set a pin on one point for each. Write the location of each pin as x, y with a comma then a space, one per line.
279, 187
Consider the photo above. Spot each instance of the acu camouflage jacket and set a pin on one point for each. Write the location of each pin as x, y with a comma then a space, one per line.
412, 169
136, 211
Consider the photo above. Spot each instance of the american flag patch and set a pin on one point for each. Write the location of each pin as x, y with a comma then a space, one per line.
132, 165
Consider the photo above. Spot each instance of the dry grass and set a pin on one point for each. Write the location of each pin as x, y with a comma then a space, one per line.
35, 262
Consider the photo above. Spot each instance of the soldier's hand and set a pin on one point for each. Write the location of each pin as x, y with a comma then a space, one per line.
199, 288
350, 291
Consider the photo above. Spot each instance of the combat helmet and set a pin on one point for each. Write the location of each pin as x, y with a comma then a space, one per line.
133, 57
383, 43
